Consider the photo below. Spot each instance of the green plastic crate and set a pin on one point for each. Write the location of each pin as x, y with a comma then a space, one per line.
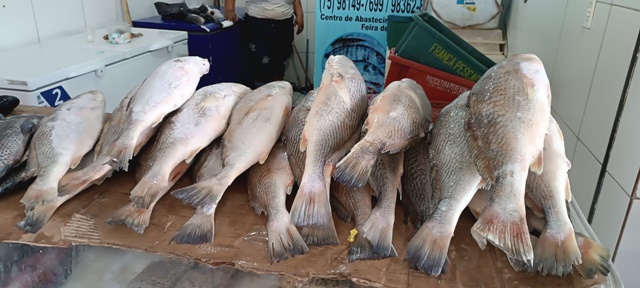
396, 27
429, 42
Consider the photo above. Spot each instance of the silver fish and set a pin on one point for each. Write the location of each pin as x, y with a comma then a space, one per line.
509, 109
15, 133
167, 88
398, 117
335, 116
268, 185
254, 127
455, 180
60, 142
193, 127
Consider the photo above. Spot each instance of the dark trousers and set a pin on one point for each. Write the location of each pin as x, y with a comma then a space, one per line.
269, 47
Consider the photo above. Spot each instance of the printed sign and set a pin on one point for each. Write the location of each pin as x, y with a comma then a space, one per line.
55, 96
357, 29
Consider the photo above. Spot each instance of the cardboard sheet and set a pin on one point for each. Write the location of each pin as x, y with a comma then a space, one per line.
240, 240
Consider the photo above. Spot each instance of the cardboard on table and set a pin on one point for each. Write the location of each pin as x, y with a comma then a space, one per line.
240, 240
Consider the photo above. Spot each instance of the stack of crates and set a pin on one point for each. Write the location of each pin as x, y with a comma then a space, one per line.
434, 56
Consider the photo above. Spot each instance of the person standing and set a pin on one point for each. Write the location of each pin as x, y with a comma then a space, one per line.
269, 27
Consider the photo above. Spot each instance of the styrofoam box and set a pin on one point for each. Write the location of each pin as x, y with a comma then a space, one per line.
478, 14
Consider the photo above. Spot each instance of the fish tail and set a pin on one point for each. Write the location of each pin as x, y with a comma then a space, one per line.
354, 169
311, 207
427, 250
320, 236
197, 230
148, 191
41, 191
556, 251
361, 249
284, 239
134, 217
38, 217
506, 230
204, 195
75, 182
595, 257
123, 149
379, 230
14, 178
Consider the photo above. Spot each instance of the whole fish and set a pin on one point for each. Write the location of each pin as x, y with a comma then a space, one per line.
192, 128
7, 104
595, 257
417, 194
15, 133
509, 109
556, 249
354, 205
455, 180
268, 185
102, 167
254, 127
335, 116
398, 117
60, 142
167, 88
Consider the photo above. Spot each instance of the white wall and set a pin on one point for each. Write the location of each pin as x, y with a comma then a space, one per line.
587, 69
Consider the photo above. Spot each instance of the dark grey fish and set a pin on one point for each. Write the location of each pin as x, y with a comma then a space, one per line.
7, 104
417, 194
15, 133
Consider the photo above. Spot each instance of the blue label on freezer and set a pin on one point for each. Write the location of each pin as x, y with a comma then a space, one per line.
55, 96
466, 2
357, 29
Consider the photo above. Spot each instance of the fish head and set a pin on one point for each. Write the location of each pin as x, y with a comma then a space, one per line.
90, 101
194, 64
340, 67
29, 125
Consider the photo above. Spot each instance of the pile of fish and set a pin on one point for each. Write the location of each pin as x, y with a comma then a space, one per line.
496, 149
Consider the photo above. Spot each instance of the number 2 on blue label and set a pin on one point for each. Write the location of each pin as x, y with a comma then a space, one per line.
55, 96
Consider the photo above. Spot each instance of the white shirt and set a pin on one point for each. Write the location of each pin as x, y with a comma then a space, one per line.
270, 9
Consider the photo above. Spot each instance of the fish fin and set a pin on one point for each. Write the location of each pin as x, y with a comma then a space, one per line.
157, 122
263, 157
311, 207
595, 257
199, 229
284, 240
24, 158
537, 165
74, 162
411, 211
380, 232
256, 203
567, 190
39, 193
354, 169
556, 252
361, 249
303, 141
343, 92
478, 154
339, 209
396, 147
193, 155
123, 153
506, 230
290, 186
204, 195
321, 236
75, 182
178, 171
147, 192
427, 250
531, 89
520, 266
38, 217
537, 211
399, 171
134, 217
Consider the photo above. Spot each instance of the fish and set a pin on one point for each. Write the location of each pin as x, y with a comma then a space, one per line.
255, 125
509, 109
556, 250
15, 133
268, 185
76, 181
202, 119
595, 256
168, 87
350, 204
16, 176
210, 163
8, 104
60, 142
334, 118
398, 117
417, 194
455, 179
292, 132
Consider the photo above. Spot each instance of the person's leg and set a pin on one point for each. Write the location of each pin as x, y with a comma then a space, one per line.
281, 47
258, 49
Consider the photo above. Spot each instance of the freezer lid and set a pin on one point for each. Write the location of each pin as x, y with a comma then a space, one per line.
152, 40
35, 66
